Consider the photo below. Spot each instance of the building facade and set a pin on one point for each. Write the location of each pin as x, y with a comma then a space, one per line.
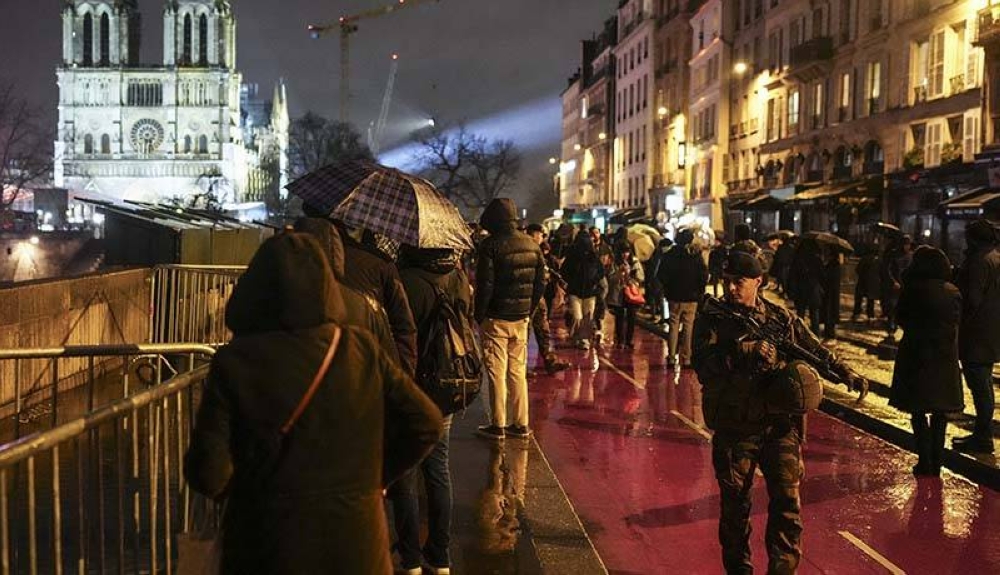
129, 131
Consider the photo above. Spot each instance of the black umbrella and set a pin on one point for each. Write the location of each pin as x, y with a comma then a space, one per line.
831, 240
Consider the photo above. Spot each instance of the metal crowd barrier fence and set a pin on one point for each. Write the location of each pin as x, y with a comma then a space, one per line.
189, 302
104, 492
41, 388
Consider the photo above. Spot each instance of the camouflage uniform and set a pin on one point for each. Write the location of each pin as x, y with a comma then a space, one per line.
747, 437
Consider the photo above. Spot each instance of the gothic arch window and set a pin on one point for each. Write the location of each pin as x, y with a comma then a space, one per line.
186, 49
105, 144
88, 144
88, 40
187, 144
202, 144
203, 40
105, 38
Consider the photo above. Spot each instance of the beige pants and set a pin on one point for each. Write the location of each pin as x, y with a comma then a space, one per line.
682, 315
505, 350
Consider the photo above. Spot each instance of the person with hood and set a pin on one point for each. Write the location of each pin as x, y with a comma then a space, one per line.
654, 289
684, 276
585, 276
378, 279
510, 281
423, 271
360, 310
979, 335
317, 504
926, 380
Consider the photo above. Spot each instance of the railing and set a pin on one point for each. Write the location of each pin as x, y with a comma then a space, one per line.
988, 24
957, 83
46, 386
188, 303
817, 49
104, 493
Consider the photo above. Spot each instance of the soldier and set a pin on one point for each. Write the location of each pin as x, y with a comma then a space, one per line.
751, 430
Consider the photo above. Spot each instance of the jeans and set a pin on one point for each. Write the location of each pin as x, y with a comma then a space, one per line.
543, 332
505, 354
979, 378
406, 507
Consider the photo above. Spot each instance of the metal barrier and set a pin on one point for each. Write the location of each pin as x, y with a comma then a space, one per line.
104, 492
189, 302
44, 387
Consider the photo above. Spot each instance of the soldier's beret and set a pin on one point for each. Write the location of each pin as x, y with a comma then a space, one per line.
742, 264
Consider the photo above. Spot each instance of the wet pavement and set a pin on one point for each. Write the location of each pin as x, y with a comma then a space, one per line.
624, 438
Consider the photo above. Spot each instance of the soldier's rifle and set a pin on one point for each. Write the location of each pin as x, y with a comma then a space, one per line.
780, 336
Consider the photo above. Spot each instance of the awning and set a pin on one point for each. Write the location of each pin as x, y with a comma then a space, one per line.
972, 203
625, 217
827, 192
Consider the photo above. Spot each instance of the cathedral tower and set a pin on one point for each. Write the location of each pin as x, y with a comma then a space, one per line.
199, 34
100, 34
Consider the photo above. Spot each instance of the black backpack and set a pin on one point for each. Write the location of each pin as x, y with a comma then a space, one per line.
450, 366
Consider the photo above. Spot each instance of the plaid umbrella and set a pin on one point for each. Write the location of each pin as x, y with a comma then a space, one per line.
397, 205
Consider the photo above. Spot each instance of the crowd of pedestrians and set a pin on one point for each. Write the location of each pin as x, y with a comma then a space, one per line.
333, 343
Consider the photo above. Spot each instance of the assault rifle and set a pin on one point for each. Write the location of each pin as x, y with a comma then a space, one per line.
781, 338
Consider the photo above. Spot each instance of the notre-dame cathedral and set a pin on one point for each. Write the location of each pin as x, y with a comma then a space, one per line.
129, 130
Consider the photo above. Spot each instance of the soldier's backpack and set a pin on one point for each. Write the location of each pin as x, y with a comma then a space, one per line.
450, 365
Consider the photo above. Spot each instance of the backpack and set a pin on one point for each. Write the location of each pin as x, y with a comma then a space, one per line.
450, 366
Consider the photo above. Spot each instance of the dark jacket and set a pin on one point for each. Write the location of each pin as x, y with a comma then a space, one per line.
731, 391
926, 376
423, 270
717, 260
510, 273
323, 504
806, 276
979, 281
361, 310
583, 270
378, 280
683, 274
869, 284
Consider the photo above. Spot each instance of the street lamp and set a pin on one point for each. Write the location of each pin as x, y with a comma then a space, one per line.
553, 160
662, 111
602, 136
740, 68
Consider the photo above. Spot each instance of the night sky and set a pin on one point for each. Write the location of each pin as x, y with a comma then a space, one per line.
498, 65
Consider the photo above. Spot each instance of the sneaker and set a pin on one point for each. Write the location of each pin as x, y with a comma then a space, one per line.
554, 367
518, 431
583, 344
598, 338
410, 571
439, 570
490, 432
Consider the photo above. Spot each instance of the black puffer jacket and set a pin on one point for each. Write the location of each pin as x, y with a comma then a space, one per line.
583, 269
510, 274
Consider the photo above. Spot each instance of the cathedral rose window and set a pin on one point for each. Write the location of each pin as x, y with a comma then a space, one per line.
146, 136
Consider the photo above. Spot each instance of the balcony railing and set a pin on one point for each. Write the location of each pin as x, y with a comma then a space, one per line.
810, 60
666, 68
873, 106
957, 83
875, 23
988, 29
919, 94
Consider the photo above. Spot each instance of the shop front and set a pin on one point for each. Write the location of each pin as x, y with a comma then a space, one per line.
956, 212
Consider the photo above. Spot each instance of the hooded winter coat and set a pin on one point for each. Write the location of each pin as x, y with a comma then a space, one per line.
510, 272
361, 310
423, 270
322, 507
926, 376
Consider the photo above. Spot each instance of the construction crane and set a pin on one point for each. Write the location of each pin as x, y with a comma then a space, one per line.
347, 25
375, 130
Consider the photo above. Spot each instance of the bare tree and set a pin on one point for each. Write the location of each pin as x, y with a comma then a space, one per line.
25, 147
469, 169
315, 142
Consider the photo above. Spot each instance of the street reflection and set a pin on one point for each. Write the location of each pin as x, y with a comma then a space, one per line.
501, 502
